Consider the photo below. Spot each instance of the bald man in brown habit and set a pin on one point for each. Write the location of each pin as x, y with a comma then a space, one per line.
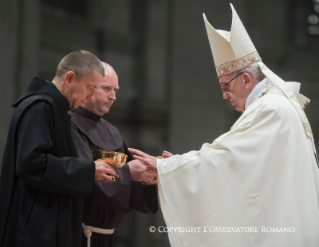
109, 202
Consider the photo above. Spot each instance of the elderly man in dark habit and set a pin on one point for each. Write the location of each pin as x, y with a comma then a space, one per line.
91, 132
43, 182
256, 185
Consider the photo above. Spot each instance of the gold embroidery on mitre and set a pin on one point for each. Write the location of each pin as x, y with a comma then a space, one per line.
241, 63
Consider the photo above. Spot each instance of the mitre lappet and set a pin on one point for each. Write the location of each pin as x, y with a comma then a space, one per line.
233, 50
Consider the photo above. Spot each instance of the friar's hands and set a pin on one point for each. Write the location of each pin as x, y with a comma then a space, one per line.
139, 172
167, 154
148, 160
104, 172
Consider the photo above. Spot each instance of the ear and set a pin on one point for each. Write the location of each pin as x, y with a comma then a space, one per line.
248, 80
69, 77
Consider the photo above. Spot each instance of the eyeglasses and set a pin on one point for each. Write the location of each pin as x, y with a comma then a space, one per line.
225, 85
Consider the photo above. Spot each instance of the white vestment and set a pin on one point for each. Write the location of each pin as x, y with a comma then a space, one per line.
256, 185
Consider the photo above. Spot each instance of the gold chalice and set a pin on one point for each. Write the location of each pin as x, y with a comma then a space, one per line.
115, 159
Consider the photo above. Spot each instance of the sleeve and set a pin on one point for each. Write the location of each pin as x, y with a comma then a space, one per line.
112, 195
38, 167
143, 198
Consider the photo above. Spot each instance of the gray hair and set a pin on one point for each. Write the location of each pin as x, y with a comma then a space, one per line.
81, 63
253, 70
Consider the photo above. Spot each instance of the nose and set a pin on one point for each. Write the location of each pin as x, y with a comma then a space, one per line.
225, 95
112, 95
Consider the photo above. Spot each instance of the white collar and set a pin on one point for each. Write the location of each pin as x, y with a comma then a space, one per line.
258, 90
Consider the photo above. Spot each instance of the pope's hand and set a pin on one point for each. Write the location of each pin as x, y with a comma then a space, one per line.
140, 173
148, 160
167, 154
104, 172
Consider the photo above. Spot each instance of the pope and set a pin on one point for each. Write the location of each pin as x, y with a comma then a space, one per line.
262, 174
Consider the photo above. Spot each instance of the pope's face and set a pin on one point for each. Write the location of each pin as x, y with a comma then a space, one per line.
81, 91
236, 90
105, 94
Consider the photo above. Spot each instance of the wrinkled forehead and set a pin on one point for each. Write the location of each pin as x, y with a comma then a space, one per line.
110, 80
110, 84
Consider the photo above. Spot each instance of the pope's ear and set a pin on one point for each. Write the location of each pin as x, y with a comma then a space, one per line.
69, 77
248, 79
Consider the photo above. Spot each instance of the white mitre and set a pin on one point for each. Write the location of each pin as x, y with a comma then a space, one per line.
234, 50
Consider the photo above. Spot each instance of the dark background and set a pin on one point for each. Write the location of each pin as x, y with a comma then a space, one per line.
169, 97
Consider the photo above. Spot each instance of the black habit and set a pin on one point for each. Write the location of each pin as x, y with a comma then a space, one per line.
42, 182
110, 200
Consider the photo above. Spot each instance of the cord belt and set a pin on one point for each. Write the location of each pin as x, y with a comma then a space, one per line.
87, 230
